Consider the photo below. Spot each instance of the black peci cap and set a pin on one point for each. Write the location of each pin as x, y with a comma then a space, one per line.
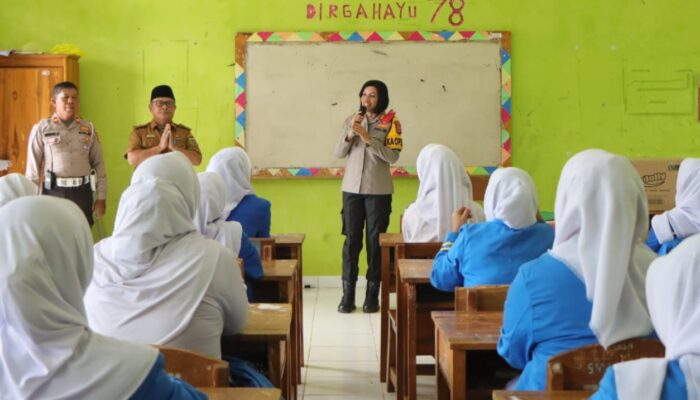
162, 91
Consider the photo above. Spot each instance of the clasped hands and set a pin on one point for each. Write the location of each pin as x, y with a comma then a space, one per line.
460, 217
165, 139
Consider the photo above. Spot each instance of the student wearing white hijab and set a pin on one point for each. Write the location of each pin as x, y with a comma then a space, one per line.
211, 223
490, 253
16, 185
242, 205
590, 287
157, 280
444, 187
674, 305
671, 227
46, 347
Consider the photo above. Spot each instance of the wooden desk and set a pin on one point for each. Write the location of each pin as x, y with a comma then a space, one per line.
288, 246
270, 325
231, 393
393, 248
551, 395
457, 333
282, 275
416, 299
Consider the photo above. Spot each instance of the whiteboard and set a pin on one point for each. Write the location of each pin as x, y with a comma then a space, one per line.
298, 93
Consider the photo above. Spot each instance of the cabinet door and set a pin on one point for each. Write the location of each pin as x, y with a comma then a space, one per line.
25, 98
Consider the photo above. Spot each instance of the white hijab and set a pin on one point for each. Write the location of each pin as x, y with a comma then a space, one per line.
602, 218
233, 165
153, 272
674, 305
444, 187
685, 217
511, 197
210, 219
15, 185
46, 348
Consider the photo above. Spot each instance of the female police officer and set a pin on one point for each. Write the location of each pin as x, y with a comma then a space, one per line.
371, 141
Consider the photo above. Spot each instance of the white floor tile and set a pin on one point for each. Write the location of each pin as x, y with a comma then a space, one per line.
342, 351
357, 369
345, 386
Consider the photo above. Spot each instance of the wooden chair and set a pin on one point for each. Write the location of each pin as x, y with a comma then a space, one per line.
194, 368
265, 247
480, 298
583, 368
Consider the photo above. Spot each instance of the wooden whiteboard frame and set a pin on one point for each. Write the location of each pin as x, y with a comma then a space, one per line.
243, 38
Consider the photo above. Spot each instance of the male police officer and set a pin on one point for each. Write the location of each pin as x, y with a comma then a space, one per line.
161, 135
66, 150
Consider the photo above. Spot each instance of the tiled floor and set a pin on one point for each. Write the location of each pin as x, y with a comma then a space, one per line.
342, 351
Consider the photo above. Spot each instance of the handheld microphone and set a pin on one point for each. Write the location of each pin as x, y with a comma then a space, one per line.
363, 110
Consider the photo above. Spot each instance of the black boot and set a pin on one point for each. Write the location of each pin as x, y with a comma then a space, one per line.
347, 303
371, 297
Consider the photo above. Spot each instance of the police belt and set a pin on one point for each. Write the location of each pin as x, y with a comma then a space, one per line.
72, 182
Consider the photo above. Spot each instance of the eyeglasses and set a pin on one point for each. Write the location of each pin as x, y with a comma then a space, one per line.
167, 104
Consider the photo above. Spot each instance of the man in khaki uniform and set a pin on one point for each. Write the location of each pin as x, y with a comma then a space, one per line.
66, 150
161, 135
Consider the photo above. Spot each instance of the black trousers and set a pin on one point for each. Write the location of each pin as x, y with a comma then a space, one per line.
358, 209
81, 195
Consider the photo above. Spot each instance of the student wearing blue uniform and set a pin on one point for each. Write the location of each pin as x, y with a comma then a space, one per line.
242, 205
211, 223
48, 350
444, 187
674, 305
157, 280
671, 227
490, 253
590, 287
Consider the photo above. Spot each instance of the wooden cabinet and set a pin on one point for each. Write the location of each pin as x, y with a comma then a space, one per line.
25, 97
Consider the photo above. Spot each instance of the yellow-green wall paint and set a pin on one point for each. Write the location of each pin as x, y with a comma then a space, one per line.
569, 64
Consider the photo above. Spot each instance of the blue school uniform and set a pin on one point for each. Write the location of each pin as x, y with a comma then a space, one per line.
253, 213
252, 266
546, 312
674, 387
488, 253
661, 248
158, 385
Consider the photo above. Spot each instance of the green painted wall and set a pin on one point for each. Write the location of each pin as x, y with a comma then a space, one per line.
574, 68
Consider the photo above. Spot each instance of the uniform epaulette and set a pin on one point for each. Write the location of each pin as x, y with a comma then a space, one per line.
142, 125
183, 127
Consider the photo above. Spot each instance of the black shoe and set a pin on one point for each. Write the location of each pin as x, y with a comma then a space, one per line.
371, 297
347, 303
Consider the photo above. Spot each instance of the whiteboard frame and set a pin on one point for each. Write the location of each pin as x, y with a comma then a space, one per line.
243, 38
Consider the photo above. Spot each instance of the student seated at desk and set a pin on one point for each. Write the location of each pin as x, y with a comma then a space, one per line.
444, 187
211, 222
47, 349
157, 280
242, 205
674, 305
490, 253
671, 227
15, 185
590, 287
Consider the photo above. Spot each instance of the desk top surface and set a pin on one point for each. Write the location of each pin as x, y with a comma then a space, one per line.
231, 393
390, 239
279, 269
288, 238
415, 270
464, 331
266, 322
533, 395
